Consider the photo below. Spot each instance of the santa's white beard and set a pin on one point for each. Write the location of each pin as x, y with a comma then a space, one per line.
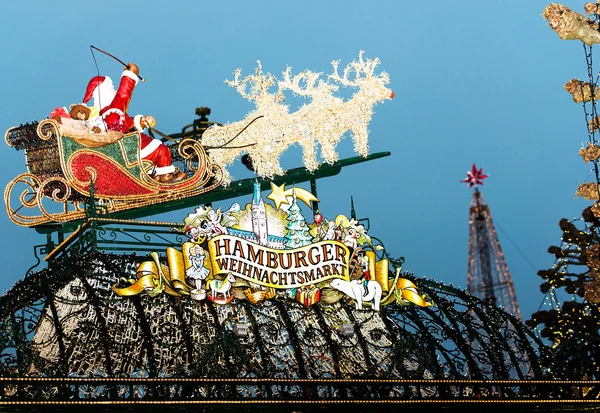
103, 96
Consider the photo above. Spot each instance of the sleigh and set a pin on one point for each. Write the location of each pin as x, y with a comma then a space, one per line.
67, 172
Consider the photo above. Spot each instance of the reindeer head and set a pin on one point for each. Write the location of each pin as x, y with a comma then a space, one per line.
371, 86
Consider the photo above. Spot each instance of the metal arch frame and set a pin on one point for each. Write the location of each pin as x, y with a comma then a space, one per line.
441, 337
434, 329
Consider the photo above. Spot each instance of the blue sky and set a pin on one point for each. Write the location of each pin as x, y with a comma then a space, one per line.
474, 82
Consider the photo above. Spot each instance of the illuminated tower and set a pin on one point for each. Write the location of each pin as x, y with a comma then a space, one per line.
259, 217
488, 276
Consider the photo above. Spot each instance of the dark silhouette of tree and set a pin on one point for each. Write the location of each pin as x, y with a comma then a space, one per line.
573, 326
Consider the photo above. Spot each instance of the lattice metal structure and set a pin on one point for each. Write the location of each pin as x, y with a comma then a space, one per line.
488, 276
66, 322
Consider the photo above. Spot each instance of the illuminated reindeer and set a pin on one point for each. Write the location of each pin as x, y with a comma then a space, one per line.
267, 131
306, 125
356, 113
327, 118
260, 134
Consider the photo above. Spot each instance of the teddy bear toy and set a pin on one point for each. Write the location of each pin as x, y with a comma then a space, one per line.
82, 113
78, 117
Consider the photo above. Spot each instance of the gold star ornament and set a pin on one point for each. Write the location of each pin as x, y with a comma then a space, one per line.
279, 195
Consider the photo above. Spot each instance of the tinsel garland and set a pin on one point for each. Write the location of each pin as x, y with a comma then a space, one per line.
582, 91
591, 8
593, 256
570, 25
596, 209
588, 190
592, 292
591, 153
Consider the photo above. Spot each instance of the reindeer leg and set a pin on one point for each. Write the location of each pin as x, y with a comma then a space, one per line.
360, 137
328, 150
309, 157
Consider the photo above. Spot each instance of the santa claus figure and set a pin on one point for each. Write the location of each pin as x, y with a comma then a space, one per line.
113, 104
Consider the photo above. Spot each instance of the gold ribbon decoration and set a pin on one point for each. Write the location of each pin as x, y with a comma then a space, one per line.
154, 278
380, 268
406, 291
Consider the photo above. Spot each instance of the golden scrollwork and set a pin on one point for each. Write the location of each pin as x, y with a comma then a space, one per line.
193, 153
48, 128
57, 189
27, 199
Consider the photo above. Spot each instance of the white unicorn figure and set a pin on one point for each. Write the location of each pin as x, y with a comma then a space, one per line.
356, 290
221, 286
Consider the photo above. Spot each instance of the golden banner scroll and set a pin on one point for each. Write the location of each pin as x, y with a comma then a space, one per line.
406, 290
381, 270
311, 264
281, 269
154, 278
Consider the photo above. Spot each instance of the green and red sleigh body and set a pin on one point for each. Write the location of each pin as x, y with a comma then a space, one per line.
62, 168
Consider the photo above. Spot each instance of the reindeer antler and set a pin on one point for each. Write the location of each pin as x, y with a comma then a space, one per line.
365, 66
360, 66
259, 84
240, 86
312, 84
343, 80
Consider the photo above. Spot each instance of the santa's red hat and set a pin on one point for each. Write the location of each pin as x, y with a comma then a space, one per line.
91, 87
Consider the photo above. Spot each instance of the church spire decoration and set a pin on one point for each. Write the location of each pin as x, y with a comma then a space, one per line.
259, 216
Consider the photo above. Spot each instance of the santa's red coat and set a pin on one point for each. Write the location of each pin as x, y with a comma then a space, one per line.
117, 119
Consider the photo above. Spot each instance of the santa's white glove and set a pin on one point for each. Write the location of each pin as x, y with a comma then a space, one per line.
143, 122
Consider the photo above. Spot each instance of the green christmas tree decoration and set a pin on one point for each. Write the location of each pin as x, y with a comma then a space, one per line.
297, 230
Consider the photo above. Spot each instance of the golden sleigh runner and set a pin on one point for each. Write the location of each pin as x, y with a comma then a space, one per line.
62, 164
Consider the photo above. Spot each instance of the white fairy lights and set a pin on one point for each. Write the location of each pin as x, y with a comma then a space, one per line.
321, 122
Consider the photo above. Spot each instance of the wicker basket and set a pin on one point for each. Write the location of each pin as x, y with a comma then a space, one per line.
259, 295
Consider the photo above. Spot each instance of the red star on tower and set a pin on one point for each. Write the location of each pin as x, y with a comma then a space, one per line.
474, 177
